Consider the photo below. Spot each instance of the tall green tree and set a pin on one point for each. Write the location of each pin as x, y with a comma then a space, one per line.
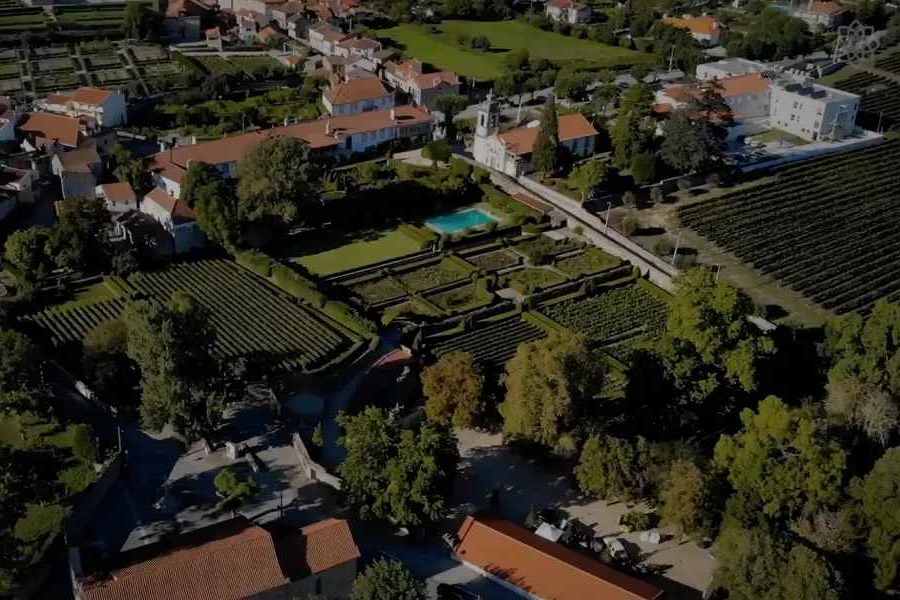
218, 211
587, 176
782, 464
395, 474
753, 563
27, 251
545, 155
691, 143
130, 168
387, 580
879, 495
79, 239
688, 499
276, 179
549, 385
612, 467
451, 105
180, 380
454, 390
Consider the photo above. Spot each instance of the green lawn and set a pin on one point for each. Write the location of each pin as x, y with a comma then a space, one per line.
381, 246
443, 51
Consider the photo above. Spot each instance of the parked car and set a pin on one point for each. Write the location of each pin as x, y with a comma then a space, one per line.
453, 591
616, 548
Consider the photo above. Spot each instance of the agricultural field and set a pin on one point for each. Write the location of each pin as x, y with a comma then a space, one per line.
249, 314
891, 63
880, 104
432, 276
826, 228
541, 248
494, 261
18, 19
612, 314
592, 260
492, 343
441, 48
531, 279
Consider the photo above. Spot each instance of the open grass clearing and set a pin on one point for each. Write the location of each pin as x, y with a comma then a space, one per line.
371, 248
443, 50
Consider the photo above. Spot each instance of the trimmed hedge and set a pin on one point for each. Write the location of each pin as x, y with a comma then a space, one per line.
298, 286
259, 263
349, 318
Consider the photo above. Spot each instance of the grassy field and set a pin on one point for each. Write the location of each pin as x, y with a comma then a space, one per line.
382, 246
442, 49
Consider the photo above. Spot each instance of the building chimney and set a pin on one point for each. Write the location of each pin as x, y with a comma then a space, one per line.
328, 126
162, 146
393, 115
75, 563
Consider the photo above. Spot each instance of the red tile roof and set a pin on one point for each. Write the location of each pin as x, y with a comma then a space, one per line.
51, 127
542, 568
356, 90
700, 25
119, 193
329, 543
729, 87
178, 210
268, 33
237, 563
521, 140
831, 9
429, 81
84, 95
323, 133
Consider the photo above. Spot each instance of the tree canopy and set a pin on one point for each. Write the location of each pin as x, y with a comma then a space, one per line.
690, 144
276, 179
612, 467
219, 213
454, 389
387, 580
545, 155
549, 384
587, 176
180, 379
396, 474
879, 496
781, 463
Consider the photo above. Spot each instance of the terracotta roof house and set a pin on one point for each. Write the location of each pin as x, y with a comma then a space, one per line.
338, 136
232, 560
78, 171
821, 15
706, 30
269, 35
324, 38
176, 217
106, 107
510, 151
424, 88
537, 568
567, 11
356, 96
118, 197
44, 129
748, 96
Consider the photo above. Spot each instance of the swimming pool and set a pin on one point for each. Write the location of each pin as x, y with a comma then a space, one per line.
460, 221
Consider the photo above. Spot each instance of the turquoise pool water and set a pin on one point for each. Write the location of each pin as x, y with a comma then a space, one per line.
460, 221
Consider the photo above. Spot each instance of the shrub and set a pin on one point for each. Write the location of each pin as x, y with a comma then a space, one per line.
636, 520
233, 487
630, 225
663, 247
77, 478
40, 521
643, 168
83, 446
256, 261
629, 199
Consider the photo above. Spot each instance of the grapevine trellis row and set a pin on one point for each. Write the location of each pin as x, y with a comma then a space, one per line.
826, 228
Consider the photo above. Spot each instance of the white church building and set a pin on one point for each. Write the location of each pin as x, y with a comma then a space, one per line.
510, 151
